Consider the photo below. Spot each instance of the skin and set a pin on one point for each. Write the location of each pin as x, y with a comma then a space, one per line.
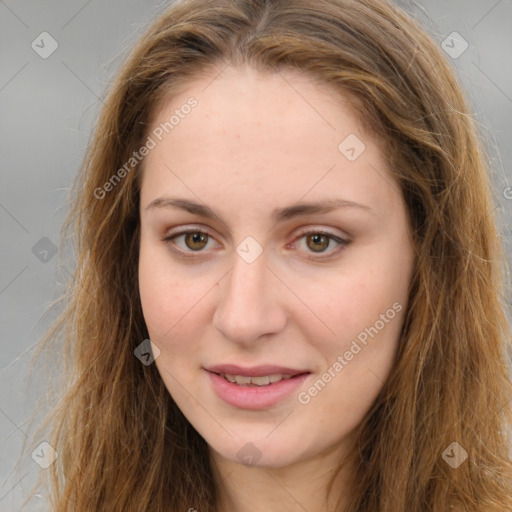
253, 143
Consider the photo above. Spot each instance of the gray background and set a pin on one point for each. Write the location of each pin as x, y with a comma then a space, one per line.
48, 107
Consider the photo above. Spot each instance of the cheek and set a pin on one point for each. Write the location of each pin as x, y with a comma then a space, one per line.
358, 360
362, 316
173, 304
161, 300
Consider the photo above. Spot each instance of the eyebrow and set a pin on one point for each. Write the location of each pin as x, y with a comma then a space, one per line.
278, 215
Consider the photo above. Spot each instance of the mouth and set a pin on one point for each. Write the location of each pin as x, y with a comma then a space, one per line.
256, 392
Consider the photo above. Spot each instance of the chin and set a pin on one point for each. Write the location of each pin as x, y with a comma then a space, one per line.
262, 453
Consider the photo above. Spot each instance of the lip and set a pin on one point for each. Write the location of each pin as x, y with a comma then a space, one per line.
255, 397
254, 371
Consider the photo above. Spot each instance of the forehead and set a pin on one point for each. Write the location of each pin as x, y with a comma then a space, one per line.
264, 135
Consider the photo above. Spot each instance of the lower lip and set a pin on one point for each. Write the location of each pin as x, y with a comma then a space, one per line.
255, 397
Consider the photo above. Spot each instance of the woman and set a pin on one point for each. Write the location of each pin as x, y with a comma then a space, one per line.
287, 284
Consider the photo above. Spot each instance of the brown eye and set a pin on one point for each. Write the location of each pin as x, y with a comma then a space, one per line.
189, 242
196, 240
319, 242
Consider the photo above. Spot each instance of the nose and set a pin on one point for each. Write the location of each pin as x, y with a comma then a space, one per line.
249, 304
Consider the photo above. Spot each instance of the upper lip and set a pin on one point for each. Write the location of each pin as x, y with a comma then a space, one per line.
254, 371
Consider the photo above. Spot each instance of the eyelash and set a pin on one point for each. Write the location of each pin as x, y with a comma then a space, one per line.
189, 253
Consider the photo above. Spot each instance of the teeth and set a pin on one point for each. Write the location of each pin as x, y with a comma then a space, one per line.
260, 381
255, 381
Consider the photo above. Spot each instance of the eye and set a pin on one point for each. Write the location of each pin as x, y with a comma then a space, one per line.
195, 241
317, 241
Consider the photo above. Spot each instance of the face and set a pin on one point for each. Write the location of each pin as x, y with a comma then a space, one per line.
254, 277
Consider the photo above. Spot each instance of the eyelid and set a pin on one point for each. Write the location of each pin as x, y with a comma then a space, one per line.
321, 230
183, 230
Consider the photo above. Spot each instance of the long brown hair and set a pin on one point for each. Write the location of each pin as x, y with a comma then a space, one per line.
122, 442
